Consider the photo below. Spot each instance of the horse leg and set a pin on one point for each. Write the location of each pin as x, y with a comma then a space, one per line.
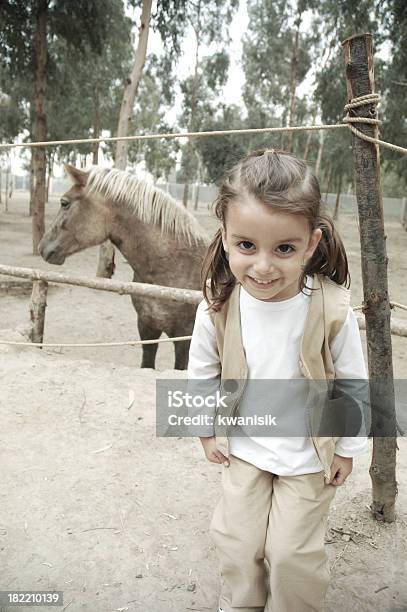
181, 354
147, 332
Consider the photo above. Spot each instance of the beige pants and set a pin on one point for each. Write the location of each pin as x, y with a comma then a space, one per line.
280, 519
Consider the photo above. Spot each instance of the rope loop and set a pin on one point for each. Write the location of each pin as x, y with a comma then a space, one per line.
358, 102
350, 121
373, 98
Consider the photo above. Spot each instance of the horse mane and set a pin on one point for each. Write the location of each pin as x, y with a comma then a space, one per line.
149, 203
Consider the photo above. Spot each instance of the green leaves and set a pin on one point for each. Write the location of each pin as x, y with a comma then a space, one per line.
209, 21
268, 56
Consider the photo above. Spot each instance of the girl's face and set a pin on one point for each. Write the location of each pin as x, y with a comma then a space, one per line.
266, 248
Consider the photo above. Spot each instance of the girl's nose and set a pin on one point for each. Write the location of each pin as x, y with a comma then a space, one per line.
263, 265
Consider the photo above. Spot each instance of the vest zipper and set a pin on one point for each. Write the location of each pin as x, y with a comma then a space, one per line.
235, 404
327, 473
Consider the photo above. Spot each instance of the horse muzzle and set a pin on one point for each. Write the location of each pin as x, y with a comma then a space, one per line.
51, 253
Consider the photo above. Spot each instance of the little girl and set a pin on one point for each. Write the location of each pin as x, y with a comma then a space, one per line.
275, 308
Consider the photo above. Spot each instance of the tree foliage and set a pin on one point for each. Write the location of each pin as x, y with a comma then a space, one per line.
394, 89
149, 117
210, 22
89, 53
84, 83
268, 56
88, 47
335, 22
220, 153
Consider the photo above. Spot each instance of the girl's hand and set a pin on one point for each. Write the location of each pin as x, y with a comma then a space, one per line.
212, 453
341, 467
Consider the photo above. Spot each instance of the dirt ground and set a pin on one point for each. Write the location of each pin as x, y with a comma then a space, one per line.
94, 504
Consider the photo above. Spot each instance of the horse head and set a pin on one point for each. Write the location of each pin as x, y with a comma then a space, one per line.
81, 221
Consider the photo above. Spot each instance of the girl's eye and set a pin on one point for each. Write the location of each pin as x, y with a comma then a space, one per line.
285, 248
245, 245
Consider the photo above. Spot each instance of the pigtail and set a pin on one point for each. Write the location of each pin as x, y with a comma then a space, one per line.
216, 277
329, 258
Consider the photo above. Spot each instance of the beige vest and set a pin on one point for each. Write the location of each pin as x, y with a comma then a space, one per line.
327, 313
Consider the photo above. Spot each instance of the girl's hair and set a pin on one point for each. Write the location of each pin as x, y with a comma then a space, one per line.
286, 184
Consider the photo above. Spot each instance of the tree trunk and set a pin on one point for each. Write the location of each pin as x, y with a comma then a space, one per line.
131, 86
293, 80
196, 196
328, 183
11, 187
6, 190
192, 127
185, 195
319, 156
198, 181
11, 184
50, 167
32, 182
106, 263
309, 136
376, 307
96, 127
40, 128
338, 196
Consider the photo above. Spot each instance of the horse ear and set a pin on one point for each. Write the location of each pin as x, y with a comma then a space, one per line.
77, 176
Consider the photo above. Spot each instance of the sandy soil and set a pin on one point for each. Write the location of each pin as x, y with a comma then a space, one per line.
94, 504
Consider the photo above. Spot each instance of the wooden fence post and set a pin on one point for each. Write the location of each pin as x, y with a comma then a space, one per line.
38, 305
376, 307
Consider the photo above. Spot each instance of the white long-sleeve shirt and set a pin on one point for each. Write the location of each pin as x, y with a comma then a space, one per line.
271, 335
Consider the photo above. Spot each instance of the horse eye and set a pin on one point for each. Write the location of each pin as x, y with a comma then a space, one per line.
65, 202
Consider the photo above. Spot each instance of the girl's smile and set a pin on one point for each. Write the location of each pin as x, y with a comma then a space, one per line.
263, 283
266, 248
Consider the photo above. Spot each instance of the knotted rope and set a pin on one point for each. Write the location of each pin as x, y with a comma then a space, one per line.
351, 120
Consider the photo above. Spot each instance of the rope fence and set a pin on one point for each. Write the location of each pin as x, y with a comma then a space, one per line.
190, 296
397, 329
185, 295
94, 344
171, 135
348, 123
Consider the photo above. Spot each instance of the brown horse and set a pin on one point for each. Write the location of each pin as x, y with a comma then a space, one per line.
159, 238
